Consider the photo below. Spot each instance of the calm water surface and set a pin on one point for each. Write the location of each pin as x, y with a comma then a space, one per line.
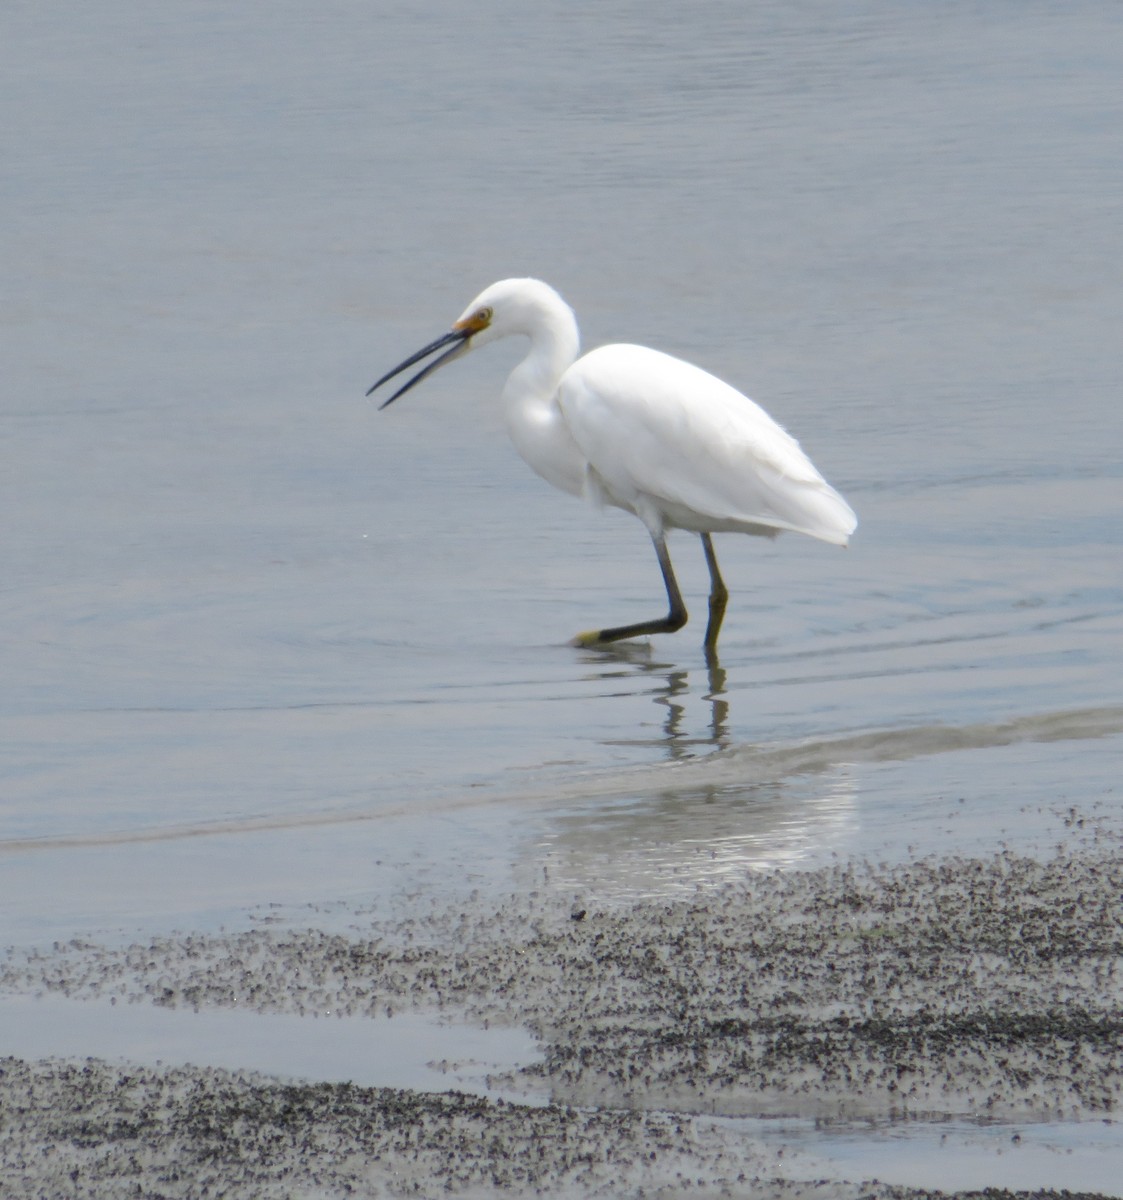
264, 645
270, 654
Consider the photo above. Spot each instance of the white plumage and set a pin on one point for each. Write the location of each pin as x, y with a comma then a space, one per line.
646, 432
660, 431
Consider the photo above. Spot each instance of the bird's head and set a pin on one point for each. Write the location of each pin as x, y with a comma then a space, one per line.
509, 306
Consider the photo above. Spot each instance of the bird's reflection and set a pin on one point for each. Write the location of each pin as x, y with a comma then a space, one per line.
671, 842
672, 687
717, 818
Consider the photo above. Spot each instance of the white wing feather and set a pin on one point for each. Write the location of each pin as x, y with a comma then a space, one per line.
668, 439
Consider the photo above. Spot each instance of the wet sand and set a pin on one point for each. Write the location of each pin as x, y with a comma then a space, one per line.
976, 987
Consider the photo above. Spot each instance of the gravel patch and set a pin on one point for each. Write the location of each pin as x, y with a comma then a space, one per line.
970, 986
92, 1130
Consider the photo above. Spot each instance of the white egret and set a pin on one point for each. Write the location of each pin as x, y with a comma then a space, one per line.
645, 432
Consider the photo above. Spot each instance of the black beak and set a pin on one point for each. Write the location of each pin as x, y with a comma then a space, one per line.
459, 336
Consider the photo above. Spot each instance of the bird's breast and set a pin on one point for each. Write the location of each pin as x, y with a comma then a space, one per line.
542, 437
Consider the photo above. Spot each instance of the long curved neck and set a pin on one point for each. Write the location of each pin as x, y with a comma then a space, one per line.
530, 406
554, 346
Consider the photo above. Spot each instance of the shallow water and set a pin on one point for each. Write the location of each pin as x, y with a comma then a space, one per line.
406, 1050
960, 1154
267, 647
242, 605
411, 1050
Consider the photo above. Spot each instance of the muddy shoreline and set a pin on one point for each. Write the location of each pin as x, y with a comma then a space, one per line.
983, 988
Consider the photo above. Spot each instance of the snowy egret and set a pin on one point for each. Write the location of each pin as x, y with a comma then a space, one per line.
645, 432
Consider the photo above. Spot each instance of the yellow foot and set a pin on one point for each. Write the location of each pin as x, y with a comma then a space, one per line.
591, 637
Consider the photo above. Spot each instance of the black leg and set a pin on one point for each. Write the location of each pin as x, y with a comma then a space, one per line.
675, 619
719, 597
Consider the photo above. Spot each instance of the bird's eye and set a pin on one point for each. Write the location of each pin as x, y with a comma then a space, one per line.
484, 315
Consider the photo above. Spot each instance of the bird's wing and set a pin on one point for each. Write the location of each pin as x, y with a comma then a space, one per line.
661, 431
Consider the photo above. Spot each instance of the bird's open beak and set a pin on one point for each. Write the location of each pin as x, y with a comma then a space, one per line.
458, 336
